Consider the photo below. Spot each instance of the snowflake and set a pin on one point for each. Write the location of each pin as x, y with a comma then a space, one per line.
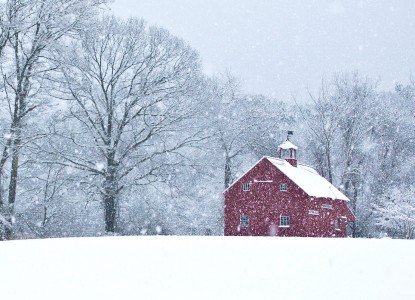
100, 166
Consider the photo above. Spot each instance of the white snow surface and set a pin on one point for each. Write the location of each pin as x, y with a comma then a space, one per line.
161, 267
308, 180
288, 145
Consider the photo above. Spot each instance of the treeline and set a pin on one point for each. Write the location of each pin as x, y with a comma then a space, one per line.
110, 126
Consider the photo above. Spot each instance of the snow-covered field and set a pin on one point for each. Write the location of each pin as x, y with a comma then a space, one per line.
207, 268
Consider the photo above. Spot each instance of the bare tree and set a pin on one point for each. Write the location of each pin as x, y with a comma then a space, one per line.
322, 119
340, 122
132, 95
243, 125
356, 96
30, 30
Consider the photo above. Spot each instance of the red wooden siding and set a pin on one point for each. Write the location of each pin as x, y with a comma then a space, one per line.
265, 203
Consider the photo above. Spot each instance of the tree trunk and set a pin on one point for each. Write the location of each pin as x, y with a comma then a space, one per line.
110, 194
13, 177
110, 212
12, 189
328, 156
352, 195
354, 207
228, 175
15, 148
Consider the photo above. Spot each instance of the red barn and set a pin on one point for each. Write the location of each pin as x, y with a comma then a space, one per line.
279, 197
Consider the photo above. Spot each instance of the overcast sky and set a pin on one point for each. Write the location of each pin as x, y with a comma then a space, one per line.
281, 48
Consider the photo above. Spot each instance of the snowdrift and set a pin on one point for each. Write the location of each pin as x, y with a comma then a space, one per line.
207, 268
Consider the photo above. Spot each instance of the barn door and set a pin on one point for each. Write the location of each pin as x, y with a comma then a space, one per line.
273, 230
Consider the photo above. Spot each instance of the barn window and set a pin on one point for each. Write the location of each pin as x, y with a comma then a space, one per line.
283, 187
244, 221
246, 187
284, 221
327, 206
337, 224
313, 212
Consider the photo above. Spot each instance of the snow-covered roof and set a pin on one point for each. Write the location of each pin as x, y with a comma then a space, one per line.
288, 145
308, 180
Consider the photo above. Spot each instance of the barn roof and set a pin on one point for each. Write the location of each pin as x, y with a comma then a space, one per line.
305, 177
308, 180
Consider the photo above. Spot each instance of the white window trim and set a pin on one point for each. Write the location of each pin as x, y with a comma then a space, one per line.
313, 212
263, 181
327, 206
246, 187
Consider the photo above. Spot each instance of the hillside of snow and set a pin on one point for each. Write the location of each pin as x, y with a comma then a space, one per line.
207, 268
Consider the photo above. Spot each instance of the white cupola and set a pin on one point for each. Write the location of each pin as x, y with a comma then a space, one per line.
288, 151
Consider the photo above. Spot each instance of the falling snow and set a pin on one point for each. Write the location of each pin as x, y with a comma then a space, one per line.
100, 166
136, 127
